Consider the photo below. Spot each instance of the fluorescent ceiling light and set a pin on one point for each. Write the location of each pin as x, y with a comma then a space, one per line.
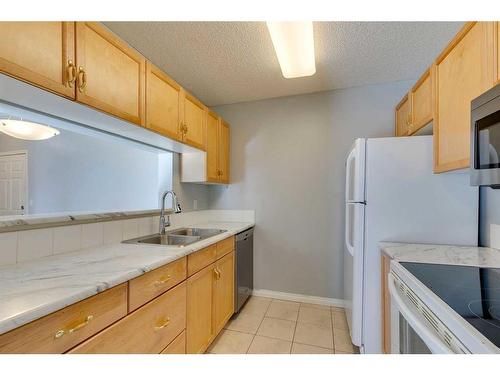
29, 131
294, 46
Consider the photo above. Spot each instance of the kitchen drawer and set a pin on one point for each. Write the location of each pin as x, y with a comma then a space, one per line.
62, 330
147, 330
225, 247
178, 346
201, 259
150, 285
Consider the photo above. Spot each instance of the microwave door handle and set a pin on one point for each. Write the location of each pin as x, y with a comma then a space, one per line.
349, 245
350, 160
430, 338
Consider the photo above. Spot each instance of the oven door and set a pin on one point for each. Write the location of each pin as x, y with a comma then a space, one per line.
411, 332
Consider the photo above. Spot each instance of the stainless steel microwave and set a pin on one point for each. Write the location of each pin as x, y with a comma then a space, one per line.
485, 139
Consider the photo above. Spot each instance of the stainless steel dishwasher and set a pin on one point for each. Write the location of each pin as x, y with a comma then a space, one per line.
243, 278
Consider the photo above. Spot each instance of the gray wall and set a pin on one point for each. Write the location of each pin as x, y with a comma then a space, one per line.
287, 163
489, 213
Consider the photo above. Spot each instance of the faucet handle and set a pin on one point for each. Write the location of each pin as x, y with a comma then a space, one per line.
178, 208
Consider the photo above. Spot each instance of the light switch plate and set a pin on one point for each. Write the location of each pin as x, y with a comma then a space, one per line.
495, 236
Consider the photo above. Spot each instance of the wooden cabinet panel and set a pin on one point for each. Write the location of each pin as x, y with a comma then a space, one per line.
147, 330
201, 259
497, 49
193, 121
224, 247
111, 75
212, 147
178, 346
39, 53
386, 306
403, 114
162, 103
144, 288
421, 103
199, 330
62, 330
224, 139
224, 291
463, 71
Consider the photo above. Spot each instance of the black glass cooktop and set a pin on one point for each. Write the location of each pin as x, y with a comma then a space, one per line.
473, 292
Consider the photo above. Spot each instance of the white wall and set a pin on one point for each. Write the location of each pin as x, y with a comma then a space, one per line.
76, 172
287, 163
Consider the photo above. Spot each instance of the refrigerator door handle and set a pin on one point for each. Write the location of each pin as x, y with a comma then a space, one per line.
349, 245
348, 176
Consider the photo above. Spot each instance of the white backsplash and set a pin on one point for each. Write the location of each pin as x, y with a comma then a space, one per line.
21, 246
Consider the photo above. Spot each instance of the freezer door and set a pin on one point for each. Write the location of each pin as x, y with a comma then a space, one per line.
355, 172
353, 268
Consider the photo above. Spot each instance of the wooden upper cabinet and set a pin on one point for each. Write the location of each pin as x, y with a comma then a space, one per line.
212, 147
199, 325
223, 291
497, 49
40, 53
110, 74
193, 121
421, 96
464, 70
224, 139
403, 117
162, 103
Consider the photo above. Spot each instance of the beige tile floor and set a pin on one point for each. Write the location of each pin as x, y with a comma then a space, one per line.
271, 326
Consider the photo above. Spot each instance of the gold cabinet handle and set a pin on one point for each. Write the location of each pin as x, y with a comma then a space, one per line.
165, 323
71, 73
217, 274
162, 280
63, 332
82, 79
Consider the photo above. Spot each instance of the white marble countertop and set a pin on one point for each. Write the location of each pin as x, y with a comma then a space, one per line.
442, 254
31, 290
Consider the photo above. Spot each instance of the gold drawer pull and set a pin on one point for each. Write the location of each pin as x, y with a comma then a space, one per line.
163, 280
62, 332
82, 79
217, 273
163, 325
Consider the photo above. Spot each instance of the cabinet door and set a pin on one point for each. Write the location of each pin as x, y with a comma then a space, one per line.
402, 117
162, 103
497, 57
224, 139
421, 103
224, 291
111, 75
193, 123
212, 147
41, 53
463, 71
199, 329
386, 306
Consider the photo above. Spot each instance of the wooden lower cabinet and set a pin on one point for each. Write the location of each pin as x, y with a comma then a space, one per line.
146, 331
62, 330
210, 303
386, 306
224, 291
178, 346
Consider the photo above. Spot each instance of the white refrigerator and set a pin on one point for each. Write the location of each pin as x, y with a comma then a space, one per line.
392, 194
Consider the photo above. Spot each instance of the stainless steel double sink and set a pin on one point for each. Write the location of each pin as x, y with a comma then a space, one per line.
178, 237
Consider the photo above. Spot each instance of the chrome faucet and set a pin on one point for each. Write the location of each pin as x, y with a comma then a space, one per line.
176, 207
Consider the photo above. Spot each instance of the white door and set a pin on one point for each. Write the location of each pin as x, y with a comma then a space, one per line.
13, 176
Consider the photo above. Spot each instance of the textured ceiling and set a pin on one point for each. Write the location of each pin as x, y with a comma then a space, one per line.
230, 62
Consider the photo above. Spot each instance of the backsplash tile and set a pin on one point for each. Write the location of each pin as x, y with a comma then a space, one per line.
130, 229
34, 244
145, 226
67, 239
112, 232
8, 248
92, 235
